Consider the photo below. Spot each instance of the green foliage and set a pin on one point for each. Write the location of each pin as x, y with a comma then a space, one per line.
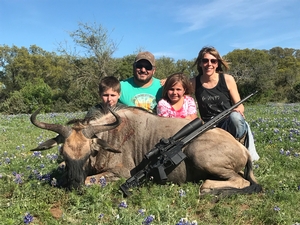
165, 66
69, 82
124, 67
32, 96
14, 104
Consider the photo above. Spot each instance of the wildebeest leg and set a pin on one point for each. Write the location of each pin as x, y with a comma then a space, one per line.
214, 186
95, 179
109, 175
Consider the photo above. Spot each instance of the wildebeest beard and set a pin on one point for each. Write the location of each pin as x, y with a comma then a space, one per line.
76, 175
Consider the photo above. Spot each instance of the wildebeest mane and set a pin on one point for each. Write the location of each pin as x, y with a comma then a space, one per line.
75, 121
101, 109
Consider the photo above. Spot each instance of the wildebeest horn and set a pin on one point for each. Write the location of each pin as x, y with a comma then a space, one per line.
65, 131
95, 129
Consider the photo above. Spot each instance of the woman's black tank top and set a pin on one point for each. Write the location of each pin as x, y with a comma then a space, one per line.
212, 101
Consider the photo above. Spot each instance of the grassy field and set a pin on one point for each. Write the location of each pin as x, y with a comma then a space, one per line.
28, 194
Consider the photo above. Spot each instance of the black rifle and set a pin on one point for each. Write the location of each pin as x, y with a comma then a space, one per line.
167, 154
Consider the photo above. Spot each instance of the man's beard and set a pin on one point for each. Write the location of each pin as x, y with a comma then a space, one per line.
143, 81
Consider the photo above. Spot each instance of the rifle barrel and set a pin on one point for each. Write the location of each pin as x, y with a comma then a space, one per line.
206, 126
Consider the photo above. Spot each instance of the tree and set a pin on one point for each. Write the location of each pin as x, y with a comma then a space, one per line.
186, 67
34, 94
124, 67
165, 66
252, 70
20, 65
94, 58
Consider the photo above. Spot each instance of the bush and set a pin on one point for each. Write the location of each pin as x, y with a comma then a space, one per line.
31, 97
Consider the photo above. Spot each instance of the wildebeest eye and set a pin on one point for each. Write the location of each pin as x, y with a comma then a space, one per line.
94, 153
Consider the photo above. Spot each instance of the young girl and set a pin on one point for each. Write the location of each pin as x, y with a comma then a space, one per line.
176, 102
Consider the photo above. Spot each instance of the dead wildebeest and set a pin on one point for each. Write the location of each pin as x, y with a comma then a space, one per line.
113, 143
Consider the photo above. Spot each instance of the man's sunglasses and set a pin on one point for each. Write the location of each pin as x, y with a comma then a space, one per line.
213, 61
141, 65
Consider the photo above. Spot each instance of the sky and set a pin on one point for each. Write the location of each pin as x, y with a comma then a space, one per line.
170, 28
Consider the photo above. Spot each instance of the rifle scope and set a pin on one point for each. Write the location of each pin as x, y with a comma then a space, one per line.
187, 129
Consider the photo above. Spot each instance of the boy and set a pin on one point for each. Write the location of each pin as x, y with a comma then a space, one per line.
109, 91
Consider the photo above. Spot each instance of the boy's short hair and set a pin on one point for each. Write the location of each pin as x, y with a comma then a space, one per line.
109, 82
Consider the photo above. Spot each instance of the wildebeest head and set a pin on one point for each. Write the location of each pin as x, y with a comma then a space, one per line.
79, 145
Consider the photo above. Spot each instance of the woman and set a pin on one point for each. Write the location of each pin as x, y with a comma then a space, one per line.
176, 102
216, 91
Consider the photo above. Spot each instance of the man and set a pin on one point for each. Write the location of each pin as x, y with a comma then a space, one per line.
142, 90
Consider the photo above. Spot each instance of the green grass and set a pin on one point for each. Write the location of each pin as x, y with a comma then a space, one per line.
276, 131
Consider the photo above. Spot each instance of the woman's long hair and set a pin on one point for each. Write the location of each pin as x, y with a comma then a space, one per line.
222, 64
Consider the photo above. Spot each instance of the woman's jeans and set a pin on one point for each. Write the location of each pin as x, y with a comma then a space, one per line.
234, 124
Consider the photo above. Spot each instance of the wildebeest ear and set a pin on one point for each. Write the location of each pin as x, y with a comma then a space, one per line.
103, 144
49, 143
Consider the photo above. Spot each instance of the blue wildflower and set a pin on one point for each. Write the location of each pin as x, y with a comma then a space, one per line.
183, 221
102, 181
141, 212
149, 219
182, 193
52, 156
37, 154
281, 151
18, 178
46, 177
101, 216
123, 204
28, 218
92, 179
276, 208
38, 176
